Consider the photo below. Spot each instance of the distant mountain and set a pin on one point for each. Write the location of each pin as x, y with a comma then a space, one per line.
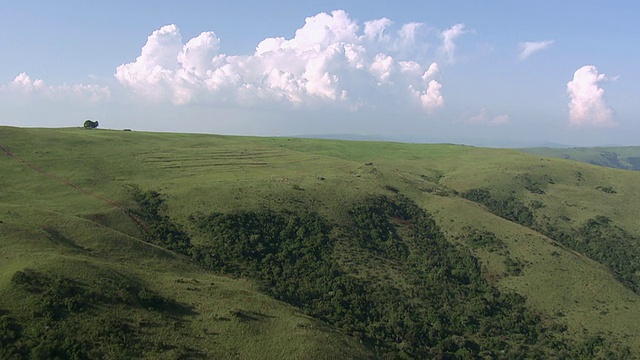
411, 139
627, 157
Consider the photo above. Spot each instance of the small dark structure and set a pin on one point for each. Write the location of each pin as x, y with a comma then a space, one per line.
88, 124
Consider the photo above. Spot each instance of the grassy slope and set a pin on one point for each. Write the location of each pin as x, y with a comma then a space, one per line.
97, 241
570, 286
615, 157
203, 173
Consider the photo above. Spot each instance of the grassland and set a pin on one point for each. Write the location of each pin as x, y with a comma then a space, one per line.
62, 212
627, 157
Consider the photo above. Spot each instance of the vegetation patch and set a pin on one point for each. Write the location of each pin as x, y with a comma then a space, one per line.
483, 240
508, 207
373, 227
69, 319
607, 189
606, 243
597, 238
158, 228
534, 183
514, 267
443, 308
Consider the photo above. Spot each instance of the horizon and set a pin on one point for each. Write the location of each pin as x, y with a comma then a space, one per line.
403, 139
501, 72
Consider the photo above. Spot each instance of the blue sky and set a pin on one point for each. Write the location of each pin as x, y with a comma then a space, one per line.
453, 71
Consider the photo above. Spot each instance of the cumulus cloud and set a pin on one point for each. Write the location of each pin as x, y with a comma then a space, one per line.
331, 59
587, 105
24, 85
432, 71
484, 117
528, 48
432, 99
448, 47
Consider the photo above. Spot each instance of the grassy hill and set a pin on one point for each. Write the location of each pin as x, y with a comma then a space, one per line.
133, 244
614, 157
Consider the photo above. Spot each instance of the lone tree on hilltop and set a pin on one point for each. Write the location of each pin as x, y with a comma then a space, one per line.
88, 124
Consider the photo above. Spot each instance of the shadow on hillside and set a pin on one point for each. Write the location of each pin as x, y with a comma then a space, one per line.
57, 238
245, 316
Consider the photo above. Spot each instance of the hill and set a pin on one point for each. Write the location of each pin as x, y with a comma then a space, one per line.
614, 157
147, 245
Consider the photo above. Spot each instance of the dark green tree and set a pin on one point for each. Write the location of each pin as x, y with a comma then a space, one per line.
88, 124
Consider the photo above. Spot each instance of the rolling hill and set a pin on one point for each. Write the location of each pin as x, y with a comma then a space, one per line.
624, 157
119, 244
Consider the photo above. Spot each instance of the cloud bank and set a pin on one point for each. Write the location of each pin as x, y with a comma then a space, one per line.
587, 104
24, 86
330, 60
529, 48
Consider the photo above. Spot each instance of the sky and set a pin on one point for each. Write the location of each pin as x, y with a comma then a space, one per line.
525, 72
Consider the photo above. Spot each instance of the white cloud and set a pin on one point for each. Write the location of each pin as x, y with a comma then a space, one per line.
382, 67
483, 117
374, 30
448, 47
24, 86
432, 99
528, 48
433, 70
587, 105
23, 83
409, 36
330, 60
156, 65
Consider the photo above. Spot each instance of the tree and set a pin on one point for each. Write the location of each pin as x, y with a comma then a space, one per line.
88, 124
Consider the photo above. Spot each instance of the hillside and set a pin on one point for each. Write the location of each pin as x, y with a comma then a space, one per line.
149, 245
627, 157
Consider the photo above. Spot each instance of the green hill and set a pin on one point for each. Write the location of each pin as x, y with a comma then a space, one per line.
627, 157
145, 245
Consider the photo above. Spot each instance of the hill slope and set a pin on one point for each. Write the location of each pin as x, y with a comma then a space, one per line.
146, 229
614, 157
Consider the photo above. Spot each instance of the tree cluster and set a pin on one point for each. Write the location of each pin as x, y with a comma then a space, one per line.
506, 206
69, 320
159, 229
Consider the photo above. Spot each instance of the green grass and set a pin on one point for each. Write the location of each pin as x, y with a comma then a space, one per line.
200, 174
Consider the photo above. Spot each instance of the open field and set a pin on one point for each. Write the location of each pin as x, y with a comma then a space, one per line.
67, 212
